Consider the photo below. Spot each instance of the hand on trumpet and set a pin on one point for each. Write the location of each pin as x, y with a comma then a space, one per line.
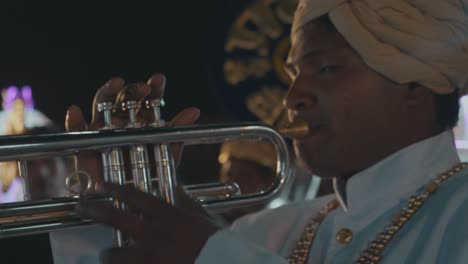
159, 233
116, 91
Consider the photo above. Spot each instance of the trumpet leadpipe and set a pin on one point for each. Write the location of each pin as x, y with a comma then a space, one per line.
42, 216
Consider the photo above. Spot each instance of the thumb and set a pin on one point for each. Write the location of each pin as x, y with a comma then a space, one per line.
187, 116
185, 202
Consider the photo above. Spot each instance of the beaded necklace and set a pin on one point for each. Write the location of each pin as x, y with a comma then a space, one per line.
373, 253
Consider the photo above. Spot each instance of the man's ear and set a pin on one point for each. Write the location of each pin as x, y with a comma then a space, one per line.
417, 94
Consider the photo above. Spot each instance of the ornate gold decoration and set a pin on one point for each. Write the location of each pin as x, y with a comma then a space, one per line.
344, 236
264, 18
373, 253
254, 30
301, 252
279, 55
236, 71
285, 11
262, 152
378, 245
266, 104
259, 33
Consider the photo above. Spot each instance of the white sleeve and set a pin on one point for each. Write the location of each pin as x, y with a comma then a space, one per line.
228, 248
80, 245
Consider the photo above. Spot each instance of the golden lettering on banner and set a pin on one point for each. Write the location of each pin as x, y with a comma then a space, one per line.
266, 103
259, 31
237, 71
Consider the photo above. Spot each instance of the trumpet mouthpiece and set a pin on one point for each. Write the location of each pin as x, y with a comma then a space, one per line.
295, 130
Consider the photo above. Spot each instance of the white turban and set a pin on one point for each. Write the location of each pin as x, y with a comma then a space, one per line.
422, 41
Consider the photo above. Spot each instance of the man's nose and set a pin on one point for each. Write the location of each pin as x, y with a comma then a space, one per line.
300, 96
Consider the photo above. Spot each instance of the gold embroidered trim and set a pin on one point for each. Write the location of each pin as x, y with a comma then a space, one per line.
373, 253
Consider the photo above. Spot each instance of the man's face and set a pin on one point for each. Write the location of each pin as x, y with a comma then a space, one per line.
354, 114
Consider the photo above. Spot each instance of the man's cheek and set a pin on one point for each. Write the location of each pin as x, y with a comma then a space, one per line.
343, 113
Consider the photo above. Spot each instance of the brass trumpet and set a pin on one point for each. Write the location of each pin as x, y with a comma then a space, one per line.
32, 217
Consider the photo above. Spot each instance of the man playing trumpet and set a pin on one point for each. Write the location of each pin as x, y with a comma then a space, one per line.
378, 83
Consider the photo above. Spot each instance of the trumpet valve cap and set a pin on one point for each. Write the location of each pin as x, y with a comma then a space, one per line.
105, 106
155, 103
132, 107
129, 105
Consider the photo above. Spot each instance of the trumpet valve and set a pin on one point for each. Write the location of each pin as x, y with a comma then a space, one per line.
156, 105
132, 108
107, 108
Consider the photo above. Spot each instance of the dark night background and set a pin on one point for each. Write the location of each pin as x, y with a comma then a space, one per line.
66, 50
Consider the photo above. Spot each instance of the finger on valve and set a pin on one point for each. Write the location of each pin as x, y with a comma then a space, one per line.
154, 101
187, 116
105, 94
128, 104
87, 162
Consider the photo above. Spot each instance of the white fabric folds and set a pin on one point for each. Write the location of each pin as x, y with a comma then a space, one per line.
422, 41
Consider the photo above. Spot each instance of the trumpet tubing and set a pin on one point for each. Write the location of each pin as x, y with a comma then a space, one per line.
31, 217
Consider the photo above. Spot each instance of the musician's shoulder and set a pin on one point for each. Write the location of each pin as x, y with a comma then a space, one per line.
445, 218
453, 192
451, 198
